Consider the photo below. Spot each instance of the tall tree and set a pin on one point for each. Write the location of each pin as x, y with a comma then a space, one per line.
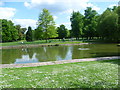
46, 24
21, 32
100, 23
108, 25
0, 30
29, 34
118, 12
38, 33
62, 32
90, 22
76, 24
9, 32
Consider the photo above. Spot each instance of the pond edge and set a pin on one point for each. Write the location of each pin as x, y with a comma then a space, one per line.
38, 45
57, 62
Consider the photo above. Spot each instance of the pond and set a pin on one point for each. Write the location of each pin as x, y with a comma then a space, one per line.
54, 53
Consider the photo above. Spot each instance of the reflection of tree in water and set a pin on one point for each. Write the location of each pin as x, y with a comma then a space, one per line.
39, 53
104, 50
51, 53
30, 52
10, 55
46, 53
77, 54
96, 50
59, 52
63, 50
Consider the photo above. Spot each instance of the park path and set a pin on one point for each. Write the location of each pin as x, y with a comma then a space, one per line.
56, 62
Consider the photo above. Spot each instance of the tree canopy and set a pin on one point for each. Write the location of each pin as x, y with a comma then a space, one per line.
62, 31
105, 26
9, 32
29, 36
90, 22
76, 24
46, 25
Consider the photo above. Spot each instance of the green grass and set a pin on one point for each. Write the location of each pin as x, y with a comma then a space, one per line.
53, 41
43, 42
94, 74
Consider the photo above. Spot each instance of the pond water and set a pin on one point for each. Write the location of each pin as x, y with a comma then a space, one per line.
54, 53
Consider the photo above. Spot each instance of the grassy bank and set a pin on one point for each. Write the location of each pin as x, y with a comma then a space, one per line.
94, 74
51, 41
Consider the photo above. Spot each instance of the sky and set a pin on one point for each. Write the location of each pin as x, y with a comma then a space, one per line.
26, 12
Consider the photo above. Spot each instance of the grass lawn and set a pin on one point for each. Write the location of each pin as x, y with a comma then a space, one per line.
94, 74
43, 42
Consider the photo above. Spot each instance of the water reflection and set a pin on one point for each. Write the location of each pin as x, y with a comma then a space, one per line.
53, 53
27, 59
83, 49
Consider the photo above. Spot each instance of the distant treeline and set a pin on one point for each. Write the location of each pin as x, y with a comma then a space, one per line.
88, 26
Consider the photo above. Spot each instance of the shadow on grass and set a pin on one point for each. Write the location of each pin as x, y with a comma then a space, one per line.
116, 61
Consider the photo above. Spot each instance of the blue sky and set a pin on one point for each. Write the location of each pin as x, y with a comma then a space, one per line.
26, 12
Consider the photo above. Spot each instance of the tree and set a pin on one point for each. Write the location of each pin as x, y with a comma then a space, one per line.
9, 32
0, 30
46, 25
38, 33
21, 32
76, 24
108, 25
62, 32
29, 34
118, 12
68, 34
13, 30
90, 23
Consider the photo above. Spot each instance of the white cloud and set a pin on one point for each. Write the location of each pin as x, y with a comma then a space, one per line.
7, 13
67, 24
1, 3
36, 3
67, 11
111, 6
55, 17
93, 6
26, 22
62, 6
68, 17
26, 4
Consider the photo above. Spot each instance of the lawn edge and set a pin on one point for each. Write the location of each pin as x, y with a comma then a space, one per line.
39, 45
57, 62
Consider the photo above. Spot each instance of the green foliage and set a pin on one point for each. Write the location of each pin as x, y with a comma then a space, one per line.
38, 33
46, 26
118, 12
62, 31
68, 34
9, 32
108, 25
90, 23
105, 26
29, 34
21, 32
76, 24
